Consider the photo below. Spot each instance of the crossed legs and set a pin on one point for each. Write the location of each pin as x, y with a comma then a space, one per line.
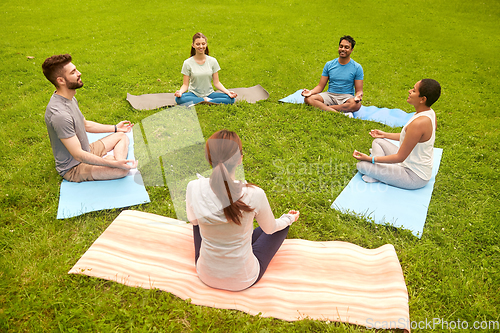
118, 142
215, 97
389, 173
317, 101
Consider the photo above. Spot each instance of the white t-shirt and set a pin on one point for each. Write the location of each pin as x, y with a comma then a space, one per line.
200, 76
226, 259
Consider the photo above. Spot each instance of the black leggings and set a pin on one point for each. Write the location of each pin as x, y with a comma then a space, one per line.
264, 246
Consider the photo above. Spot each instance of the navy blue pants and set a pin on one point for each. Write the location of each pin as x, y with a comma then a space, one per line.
264, 246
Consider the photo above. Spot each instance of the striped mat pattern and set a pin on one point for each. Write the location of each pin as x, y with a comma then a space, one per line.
335, 281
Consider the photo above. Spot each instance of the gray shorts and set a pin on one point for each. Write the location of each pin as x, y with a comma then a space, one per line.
335, 99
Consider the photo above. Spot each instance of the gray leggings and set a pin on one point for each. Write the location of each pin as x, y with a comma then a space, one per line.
390, 173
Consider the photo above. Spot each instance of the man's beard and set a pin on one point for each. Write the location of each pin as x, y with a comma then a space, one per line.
74, 85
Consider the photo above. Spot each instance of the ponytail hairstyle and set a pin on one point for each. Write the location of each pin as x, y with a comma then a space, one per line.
195, 37
223, 151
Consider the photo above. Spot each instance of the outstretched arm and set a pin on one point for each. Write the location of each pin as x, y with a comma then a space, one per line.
218, 85
124, 126
316, 90
184, 87
384, 135
415, 132
266, 220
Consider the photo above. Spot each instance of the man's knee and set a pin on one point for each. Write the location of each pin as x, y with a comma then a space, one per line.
356, 106
352, 106
122, 173
121, 137
311, 99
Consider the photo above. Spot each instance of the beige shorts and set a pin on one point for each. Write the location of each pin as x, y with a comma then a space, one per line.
335, 99
83, 171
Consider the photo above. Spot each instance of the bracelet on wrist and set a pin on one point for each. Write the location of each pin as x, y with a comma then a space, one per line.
373, 159
115, 129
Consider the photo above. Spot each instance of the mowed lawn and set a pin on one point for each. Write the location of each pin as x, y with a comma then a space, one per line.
452, 272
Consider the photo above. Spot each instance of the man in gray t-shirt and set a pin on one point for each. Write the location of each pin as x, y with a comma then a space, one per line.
76, 159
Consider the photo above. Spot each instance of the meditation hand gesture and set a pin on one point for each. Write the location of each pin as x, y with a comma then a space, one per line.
306, 93
178, 94
360, 156
124, 164
124, 126
359, 97
232, 94
295, 214
377, 134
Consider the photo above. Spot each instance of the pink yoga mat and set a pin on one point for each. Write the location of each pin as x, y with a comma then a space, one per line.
335, 281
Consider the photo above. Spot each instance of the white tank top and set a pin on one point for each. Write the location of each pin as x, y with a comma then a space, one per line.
421, 157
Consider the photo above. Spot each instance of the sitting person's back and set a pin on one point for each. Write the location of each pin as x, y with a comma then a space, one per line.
229, 253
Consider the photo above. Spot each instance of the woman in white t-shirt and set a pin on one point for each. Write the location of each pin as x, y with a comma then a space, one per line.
229, 253
199, 70
408, 166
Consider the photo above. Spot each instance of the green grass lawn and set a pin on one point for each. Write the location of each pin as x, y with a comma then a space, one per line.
452, 272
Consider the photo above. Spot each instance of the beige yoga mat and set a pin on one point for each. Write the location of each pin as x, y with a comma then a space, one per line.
335, 281
155, 101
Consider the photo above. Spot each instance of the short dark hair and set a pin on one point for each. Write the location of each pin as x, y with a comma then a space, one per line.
431, 89
349, 39
52, 67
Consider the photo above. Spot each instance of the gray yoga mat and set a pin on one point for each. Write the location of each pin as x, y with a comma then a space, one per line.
156, 101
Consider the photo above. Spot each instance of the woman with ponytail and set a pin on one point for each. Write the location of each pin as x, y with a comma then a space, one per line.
229, 253
199, 70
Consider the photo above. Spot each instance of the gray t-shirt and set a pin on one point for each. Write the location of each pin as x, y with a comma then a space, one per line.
64, 120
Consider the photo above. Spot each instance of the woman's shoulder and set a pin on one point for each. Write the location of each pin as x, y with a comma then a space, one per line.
198, 184
422, 122
253, 192
424, 115
211, 60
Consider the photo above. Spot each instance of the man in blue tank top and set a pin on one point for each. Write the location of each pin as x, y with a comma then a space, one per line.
345, 82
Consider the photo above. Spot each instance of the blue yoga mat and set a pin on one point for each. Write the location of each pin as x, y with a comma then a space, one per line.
80, 198
388, 204
295, 98
390, 117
